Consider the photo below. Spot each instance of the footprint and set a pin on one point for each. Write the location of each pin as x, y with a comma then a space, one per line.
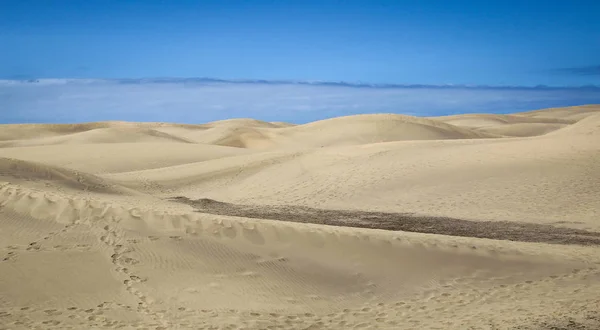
130, 261
34, 246
52, 312
136, 278
190, 231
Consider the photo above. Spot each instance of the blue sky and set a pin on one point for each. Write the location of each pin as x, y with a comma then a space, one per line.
409, 42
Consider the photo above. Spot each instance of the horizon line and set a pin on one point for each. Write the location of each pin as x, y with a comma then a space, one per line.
359, 84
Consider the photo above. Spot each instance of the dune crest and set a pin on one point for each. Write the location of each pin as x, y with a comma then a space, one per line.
21, 170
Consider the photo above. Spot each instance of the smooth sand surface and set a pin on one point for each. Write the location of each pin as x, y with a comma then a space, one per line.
381, 221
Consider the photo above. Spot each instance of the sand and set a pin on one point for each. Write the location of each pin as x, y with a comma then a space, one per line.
381, 221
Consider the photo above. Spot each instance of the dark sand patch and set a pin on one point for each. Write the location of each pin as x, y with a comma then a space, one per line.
584, 320
499, 230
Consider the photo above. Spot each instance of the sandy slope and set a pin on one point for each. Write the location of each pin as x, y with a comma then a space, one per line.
491, 223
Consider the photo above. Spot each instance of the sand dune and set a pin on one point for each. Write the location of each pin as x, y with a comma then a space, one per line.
568, 113
121, 157
358, 222
588, 126
350, 130
244, 133
20, 170
366, 129
100, 135
516, 125
99, 132
522, 129
483, 120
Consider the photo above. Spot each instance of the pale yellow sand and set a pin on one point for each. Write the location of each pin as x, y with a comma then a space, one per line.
164, 226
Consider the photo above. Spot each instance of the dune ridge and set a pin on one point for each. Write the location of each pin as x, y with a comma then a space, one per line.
360, 222
251, 133
31, 171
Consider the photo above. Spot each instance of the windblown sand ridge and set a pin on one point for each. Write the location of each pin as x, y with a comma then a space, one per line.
242, 224
246, 133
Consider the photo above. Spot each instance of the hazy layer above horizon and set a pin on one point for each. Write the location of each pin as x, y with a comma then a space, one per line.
55, 101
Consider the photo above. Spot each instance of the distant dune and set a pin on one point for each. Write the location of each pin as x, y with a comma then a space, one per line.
384, 221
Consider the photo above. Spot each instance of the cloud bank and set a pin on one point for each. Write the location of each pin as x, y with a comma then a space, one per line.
199, 100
